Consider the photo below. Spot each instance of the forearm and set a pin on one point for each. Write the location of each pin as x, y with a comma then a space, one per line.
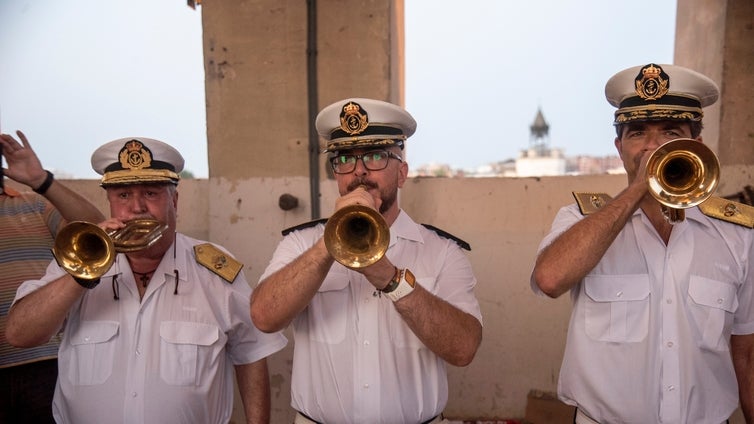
277, 299
452, 334
569, 257
34, 319
254, 385
72, 206
742, 352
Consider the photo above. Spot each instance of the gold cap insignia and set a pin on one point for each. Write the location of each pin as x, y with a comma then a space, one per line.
353, 120
135, 156
652, 82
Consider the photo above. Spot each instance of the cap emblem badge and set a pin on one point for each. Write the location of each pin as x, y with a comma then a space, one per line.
135, 156
652, 82
353, 120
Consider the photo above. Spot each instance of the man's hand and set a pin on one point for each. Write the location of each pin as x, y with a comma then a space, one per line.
23, 164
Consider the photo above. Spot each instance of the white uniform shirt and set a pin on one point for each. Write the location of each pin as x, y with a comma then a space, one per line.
355, 359
649, 336
166, 359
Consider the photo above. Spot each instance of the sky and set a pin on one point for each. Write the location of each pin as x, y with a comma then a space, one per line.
75, 74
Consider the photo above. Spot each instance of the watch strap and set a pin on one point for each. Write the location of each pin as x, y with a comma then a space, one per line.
87, 284
393, 284
403, 288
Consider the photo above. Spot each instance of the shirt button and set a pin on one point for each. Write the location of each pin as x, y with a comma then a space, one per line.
668, 301
133, 394
671, 388
670, 344
366, 342
720, 301
86, 339
366, 385
619, 294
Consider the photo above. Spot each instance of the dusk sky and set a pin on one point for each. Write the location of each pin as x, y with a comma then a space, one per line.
78, 73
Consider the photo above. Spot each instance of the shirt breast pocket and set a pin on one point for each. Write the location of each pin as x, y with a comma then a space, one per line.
181, 345
92, 357
327, 314
617, 307
712, 306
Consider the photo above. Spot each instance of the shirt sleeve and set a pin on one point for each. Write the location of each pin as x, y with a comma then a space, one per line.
246, 343
456, 281
290, 248
565, 218
743, 322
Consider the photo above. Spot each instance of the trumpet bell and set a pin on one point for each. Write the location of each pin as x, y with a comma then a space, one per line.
87, 251
682, 173
84, 250
357, 236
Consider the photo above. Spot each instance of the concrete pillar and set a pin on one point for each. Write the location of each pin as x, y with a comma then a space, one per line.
716, 37
256, 75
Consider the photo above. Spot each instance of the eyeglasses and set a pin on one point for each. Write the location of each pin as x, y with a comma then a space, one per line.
373, 160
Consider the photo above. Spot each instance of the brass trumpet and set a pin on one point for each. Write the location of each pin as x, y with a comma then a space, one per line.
682, 173
357, 236
87, 251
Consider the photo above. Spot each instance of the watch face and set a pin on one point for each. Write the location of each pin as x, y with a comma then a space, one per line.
409, 276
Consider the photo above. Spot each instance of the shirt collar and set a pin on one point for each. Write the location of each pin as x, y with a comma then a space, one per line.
404, 227
693, 214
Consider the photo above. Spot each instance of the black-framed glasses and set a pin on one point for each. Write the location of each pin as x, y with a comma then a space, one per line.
373, 160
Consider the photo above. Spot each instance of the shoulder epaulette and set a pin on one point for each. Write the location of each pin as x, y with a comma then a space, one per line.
304, 225
728, 210
447, 235
591, 202
217, 261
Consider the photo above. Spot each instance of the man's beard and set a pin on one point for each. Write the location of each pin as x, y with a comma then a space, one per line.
388, 199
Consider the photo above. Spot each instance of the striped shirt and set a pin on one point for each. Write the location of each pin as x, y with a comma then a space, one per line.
28, 224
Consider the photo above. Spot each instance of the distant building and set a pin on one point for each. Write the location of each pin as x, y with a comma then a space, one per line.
539, 159
536, 161
595, 165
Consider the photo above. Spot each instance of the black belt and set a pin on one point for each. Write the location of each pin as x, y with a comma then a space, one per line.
317, 422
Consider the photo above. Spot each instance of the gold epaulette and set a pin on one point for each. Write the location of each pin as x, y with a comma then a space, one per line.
217, 261
728, 210
591, 202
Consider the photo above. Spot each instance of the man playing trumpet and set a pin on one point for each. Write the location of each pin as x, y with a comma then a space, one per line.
372, 337
662, 327
156, 336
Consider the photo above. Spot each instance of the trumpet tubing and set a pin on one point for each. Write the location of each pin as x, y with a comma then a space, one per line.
357, 236
138, 234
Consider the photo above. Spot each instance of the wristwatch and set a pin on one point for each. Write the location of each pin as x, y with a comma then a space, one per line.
401, 285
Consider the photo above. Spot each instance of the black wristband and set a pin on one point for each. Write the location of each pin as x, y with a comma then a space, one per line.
42, 189
87, 284
393, 284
